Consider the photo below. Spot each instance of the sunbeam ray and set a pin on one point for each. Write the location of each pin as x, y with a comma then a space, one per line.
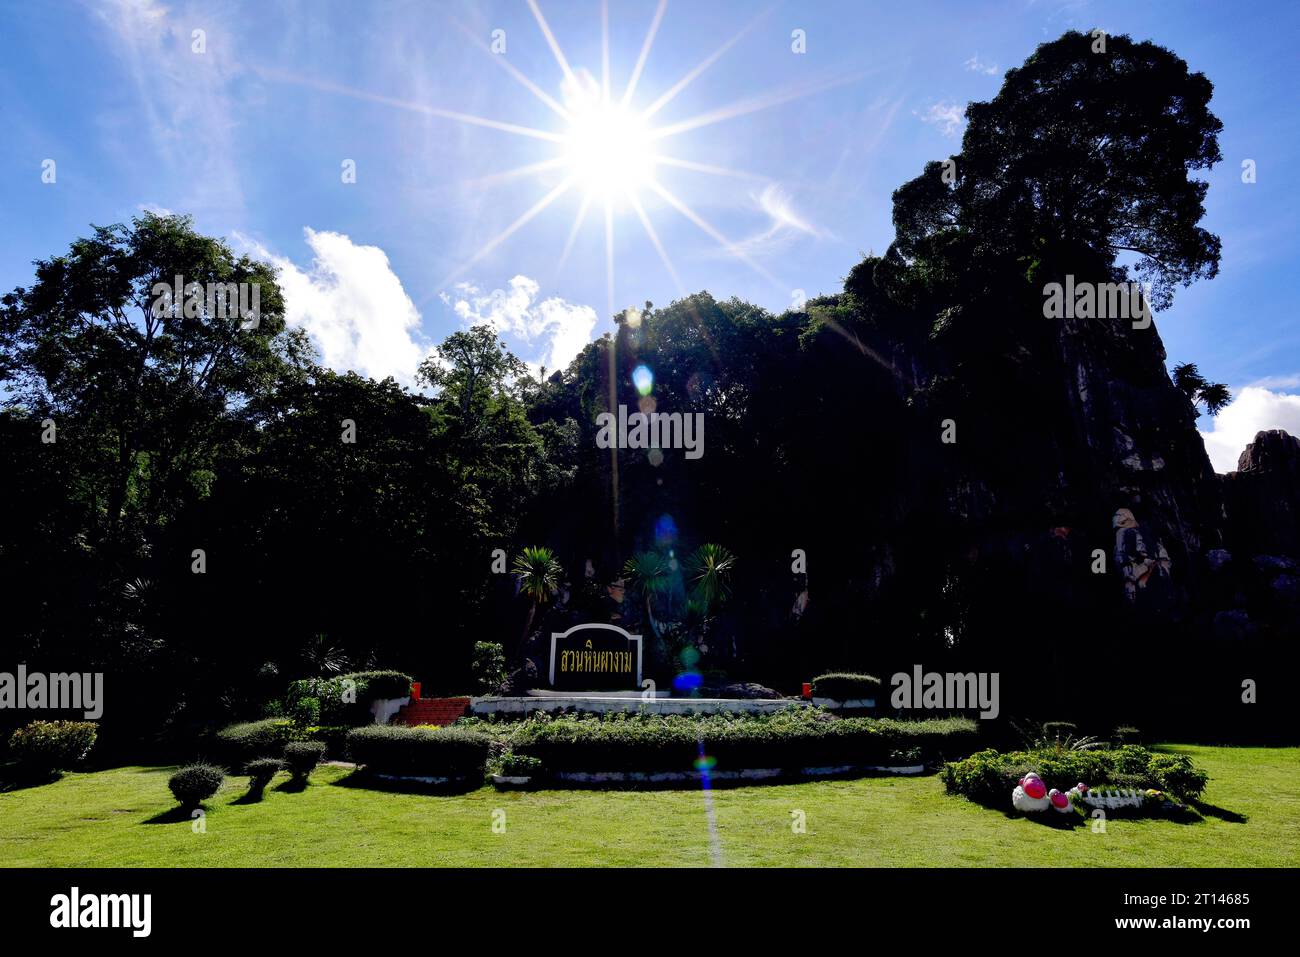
604, 51
751, 105
660, 159
515, 72
506, 233
712, 233
707, 62
492, 179
645, 52
573, 231
609, 258
654, 240
325, 86
553, 43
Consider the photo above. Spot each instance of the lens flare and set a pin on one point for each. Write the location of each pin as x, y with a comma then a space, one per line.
643, 379
665, 531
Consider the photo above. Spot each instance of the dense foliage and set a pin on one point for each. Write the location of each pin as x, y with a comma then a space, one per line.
44, 747
790, 739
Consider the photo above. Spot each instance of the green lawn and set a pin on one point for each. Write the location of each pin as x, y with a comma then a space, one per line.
104, 819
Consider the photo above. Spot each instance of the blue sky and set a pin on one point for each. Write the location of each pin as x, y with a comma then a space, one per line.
250, 136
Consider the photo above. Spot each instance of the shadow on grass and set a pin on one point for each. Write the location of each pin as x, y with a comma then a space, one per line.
370, 782
173, 815
293, 786
250, 797
14, 778
1222, 814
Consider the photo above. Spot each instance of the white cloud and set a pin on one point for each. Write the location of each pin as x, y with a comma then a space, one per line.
785, 224
514, 311
976, 65
1254, 409
353, 306
948, 117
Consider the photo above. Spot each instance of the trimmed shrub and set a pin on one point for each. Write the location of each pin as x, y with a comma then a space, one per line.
260, 773
301, 757
842, 686
423, 751
238, 744
1176, 774
379, 684
44, 747
789, 739
1060, 730
195, 783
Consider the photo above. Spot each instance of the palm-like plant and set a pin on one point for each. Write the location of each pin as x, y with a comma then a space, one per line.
538, 571
324, 658
708, 573
648, 574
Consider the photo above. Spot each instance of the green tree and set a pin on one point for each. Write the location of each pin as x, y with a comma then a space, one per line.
151, 388
1079, 151
468, 368
1189, 381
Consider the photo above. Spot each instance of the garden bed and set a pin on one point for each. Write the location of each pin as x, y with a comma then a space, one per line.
1128, 780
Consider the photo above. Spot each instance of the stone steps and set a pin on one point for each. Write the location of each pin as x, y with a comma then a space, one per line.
437, 711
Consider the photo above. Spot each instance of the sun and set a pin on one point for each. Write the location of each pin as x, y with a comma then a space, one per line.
608, 150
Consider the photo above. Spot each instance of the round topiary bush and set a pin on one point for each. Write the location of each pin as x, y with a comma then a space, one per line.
301, 757
194, 783
260, 773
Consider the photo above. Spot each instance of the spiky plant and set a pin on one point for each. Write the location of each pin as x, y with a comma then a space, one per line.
538, 572
708, 574
648, 574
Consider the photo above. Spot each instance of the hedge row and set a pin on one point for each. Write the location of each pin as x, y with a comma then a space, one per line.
789, 739
423, 751
989, 776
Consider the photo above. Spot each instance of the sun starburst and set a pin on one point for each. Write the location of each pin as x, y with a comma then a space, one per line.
606, 150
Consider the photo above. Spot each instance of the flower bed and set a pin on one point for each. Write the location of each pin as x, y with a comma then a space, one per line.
1129, 778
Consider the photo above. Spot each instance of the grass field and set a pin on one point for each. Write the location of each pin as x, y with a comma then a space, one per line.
123, 817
